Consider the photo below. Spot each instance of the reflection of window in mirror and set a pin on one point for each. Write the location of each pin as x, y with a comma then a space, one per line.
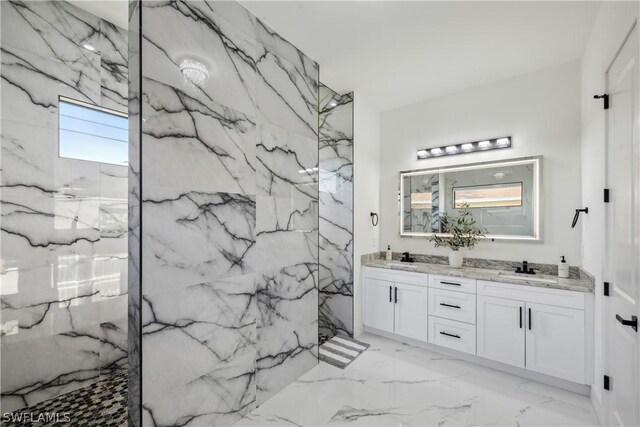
420, 200
488, 196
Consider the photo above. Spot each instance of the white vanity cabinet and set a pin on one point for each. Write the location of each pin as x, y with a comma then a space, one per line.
501, 330
396, 302
539, 329
378, 304
534, 329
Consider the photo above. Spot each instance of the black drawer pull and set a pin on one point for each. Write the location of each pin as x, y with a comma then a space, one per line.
450, 335
450, 283
449, 305
520, 317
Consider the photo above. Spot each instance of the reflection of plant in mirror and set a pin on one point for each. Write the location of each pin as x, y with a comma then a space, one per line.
458, 232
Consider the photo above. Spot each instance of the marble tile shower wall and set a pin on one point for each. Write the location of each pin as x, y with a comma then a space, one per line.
63, 245
229, 213
336, 213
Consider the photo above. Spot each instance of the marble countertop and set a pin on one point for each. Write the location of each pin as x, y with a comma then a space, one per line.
538, 280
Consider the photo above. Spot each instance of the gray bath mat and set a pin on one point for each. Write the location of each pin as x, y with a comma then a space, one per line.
341, 351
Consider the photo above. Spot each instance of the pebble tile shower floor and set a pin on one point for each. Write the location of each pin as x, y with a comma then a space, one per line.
103, 404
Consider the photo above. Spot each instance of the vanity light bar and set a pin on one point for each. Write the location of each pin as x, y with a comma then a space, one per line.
467, 147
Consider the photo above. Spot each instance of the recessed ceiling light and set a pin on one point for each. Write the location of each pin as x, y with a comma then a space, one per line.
499, 175
89, 47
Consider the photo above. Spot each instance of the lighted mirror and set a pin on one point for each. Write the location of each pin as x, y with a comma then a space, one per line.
502, 196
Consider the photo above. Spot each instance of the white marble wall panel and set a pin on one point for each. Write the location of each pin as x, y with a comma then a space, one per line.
229, 214
114, 69
63, 244
209, 376
336, 213
134, 270
287, 326
53, 365
193, 237
217, 142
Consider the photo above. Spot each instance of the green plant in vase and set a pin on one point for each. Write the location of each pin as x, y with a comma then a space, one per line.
458, 232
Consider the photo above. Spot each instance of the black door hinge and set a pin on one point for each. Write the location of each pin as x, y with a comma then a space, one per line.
606, 289
606, 195
606, 383
606, 100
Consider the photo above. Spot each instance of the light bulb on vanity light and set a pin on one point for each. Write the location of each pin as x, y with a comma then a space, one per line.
436, 151
451, 149
467, 147
484, 144
422, 153
503, 142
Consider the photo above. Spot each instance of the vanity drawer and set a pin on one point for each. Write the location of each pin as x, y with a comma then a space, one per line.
451, 334
452, 305
533, 294
459, 284
395, 276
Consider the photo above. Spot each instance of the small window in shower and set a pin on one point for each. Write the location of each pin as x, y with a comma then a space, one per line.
89, 132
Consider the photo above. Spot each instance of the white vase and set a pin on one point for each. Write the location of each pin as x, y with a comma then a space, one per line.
455, 259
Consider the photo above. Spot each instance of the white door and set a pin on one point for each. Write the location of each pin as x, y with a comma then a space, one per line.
411, 311
555, 341
378, 304
501, 325
623, 258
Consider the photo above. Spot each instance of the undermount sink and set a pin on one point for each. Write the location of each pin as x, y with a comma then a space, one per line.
526, 277
401, 264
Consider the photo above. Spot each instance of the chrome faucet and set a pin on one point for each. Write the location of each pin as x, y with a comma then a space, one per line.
525, 269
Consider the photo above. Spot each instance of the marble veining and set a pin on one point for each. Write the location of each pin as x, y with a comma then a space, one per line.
336, 213
224, 210
578, 284
395, 384
134, 214
64, 222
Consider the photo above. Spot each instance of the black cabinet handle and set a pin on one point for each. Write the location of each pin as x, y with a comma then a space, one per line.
633, 322
520, 317
530, 319
390, 294
449, 305
396, 295
450, 283
450, 335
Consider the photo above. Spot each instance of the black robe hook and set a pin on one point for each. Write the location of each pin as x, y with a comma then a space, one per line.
575, 217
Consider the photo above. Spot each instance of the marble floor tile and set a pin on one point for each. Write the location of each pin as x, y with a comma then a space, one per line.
394, 384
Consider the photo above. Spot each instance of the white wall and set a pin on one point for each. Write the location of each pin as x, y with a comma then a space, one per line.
612, 24
366, 164
541, 111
